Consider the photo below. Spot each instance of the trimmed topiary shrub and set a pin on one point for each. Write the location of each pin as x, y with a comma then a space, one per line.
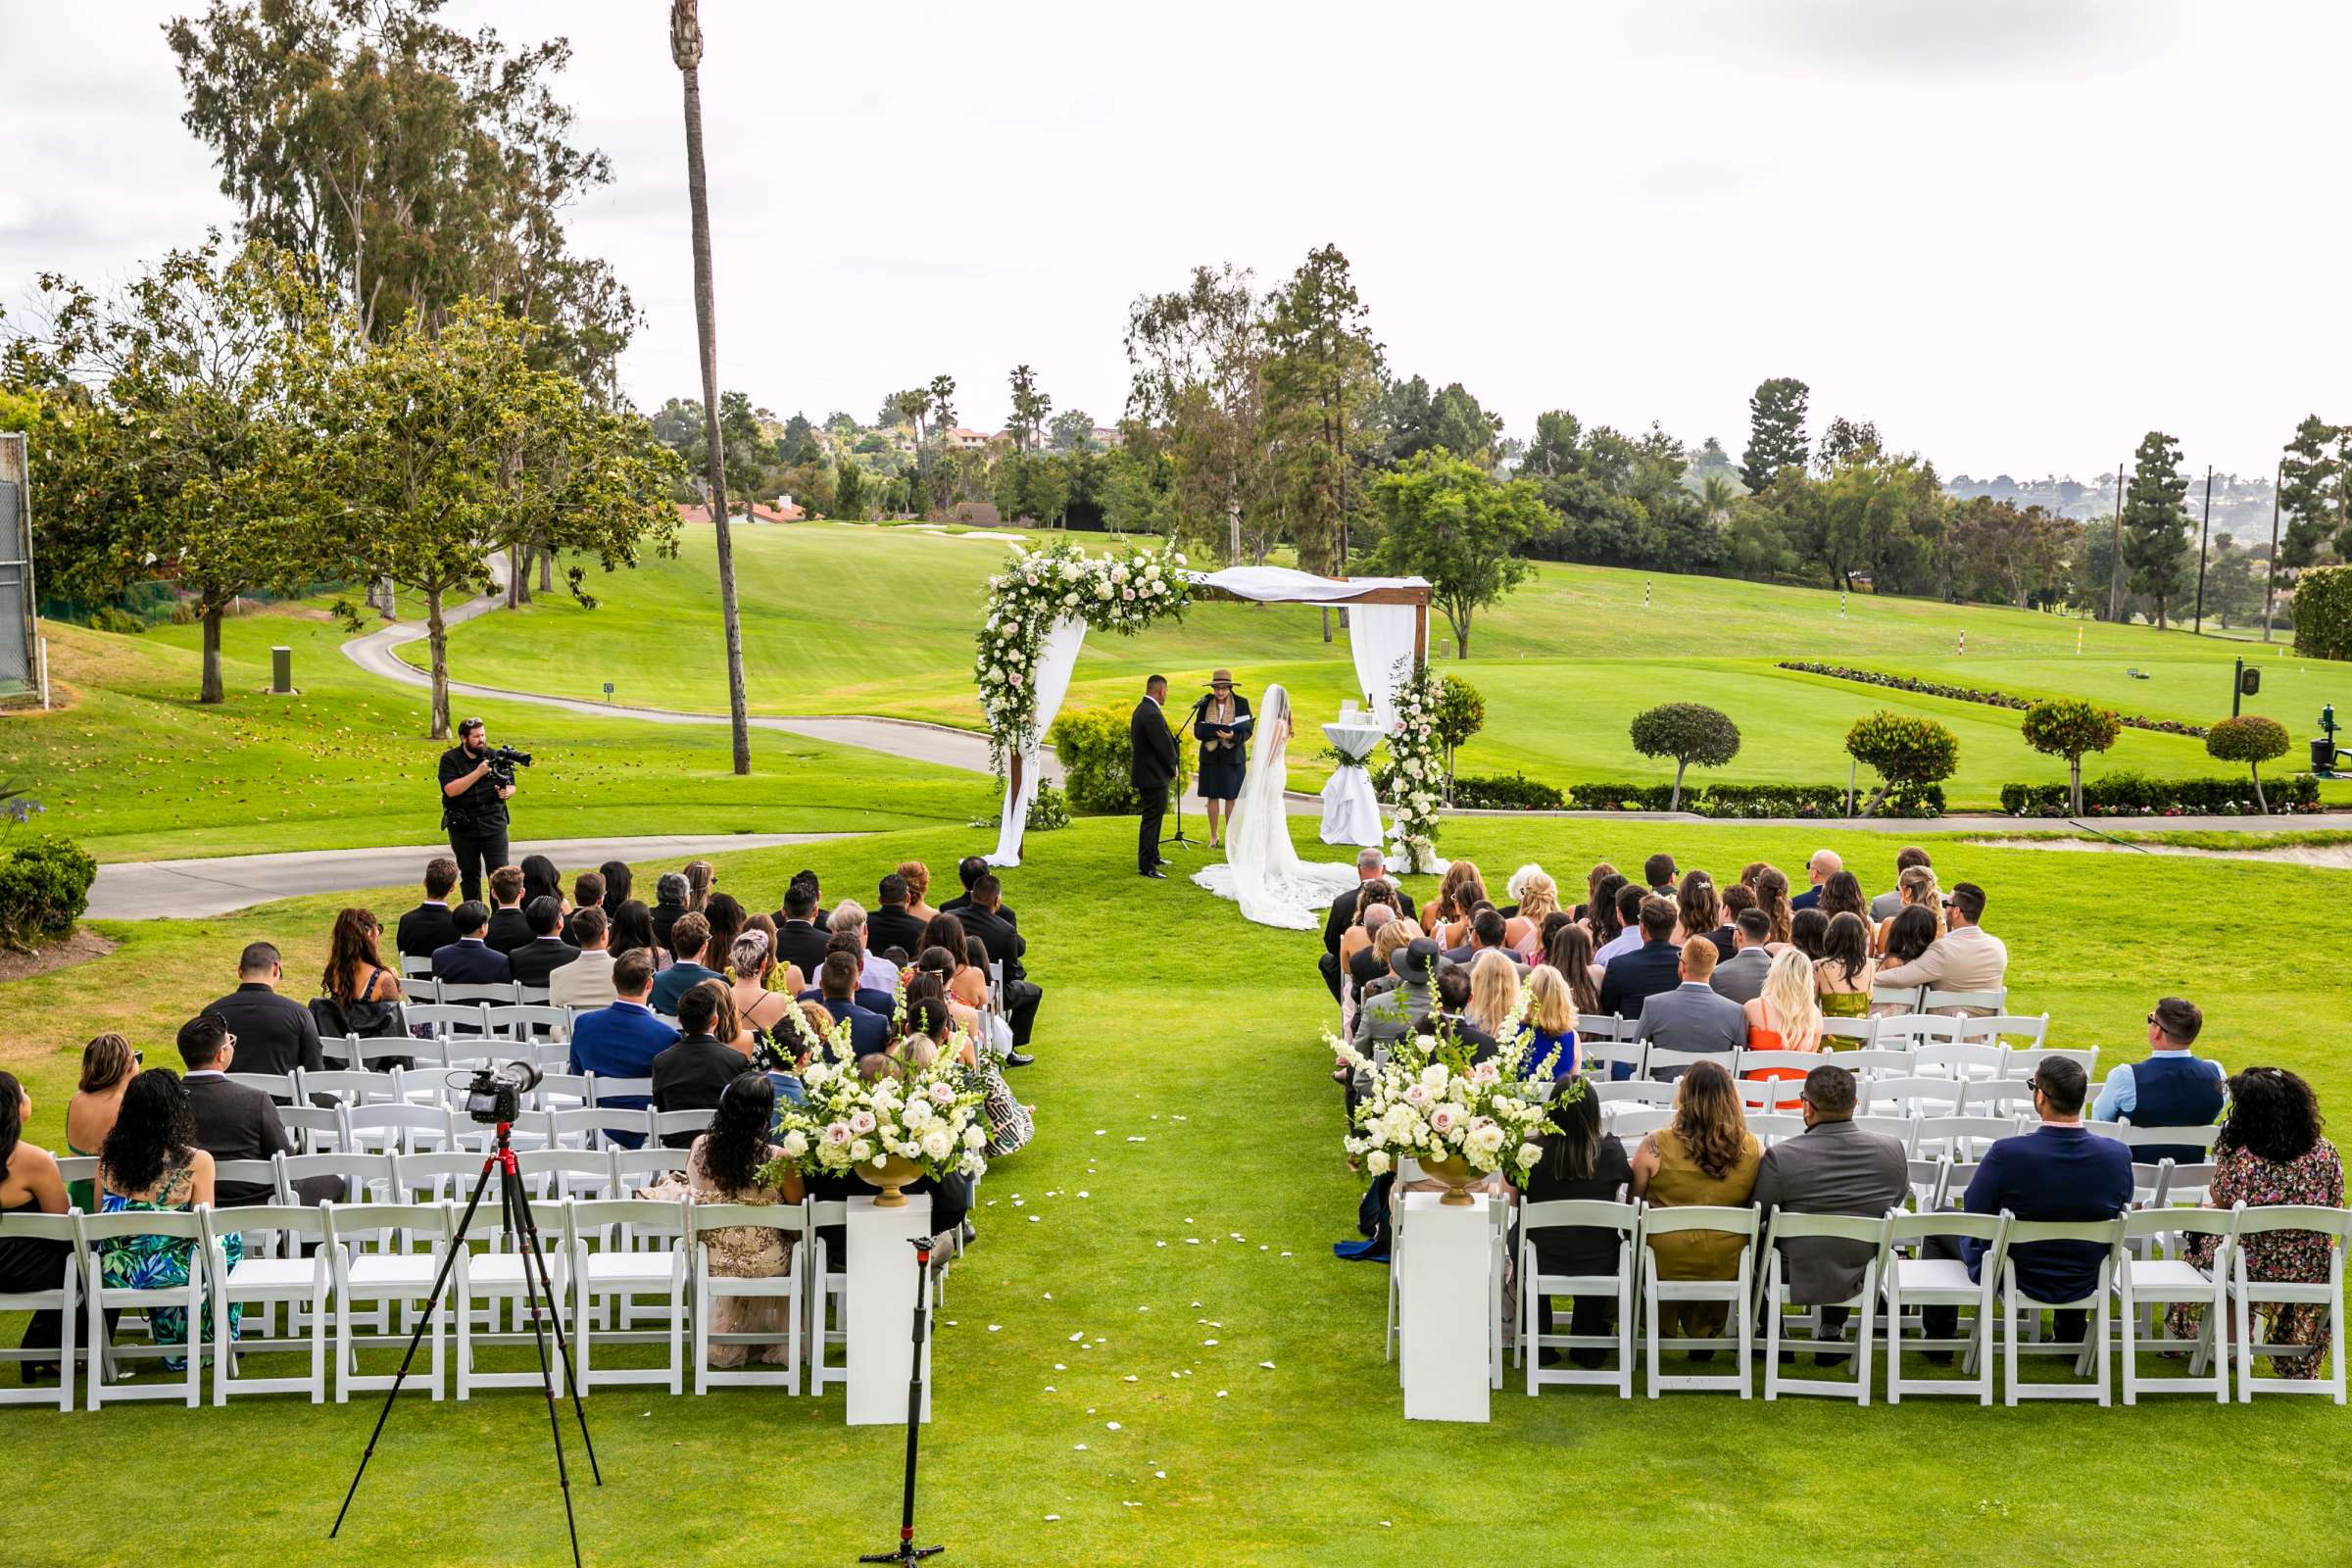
1461, 713
2251, 739
2069, 727
2324, 613
1096, 754
1687, 732
44, 886
1901, 750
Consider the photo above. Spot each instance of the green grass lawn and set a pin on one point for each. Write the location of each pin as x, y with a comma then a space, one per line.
1168, 1019
1564, 663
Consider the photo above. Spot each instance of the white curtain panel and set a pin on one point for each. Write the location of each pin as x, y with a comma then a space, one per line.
1378, 636
1056, 658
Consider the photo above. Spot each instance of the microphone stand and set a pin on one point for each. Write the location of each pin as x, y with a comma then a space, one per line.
1179, 838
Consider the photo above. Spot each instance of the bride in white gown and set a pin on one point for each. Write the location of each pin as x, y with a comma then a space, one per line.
1262, 872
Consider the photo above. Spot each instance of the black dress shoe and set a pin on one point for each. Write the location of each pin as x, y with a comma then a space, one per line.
1019, 1058
1164, 861
1155, 875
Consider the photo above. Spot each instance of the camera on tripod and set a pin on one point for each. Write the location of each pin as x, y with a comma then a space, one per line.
504, 760
496, 1094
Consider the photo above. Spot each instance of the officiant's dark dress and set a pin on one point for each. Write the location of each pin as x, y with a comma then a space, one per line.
1223, 763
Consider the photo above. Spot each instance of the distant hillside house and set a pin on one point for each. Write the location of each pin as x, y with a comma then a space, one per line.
968, 440
759, 512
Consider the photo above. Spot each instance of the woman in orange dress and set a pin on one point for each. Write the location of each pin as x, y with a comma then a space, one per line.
1785, 1015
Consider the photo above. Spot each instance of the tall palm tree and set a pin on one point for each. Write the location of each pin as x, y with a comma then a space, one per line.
1715, 496
686, 48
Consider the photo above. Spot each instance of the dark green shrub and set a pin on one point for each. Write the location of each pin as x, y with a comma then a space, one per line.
1902, 749
107, 617
44, 886
2323, 609
1687, 732
2069, 727
1506, 792
2251, 739
1753, 800
1095, 755
2135, 795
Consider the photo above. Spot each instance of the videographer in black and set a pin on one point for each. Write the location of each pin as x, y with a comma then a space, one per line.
474, 787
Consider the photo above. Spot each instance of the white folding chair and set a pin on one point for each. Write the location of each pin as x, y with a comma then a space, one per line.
2189, 1186
610, 1272
1912, 1096
391, 1052
365, 1178
1775, 1093
530, 1022
92, 1233
450, 1020
440, 1176
2155, 1282
63, 1298
351, 1086
565, 1091
1534, 1285
784, 1289
487, 994
2246, 1294
2006, 1028
2012, 1098
827, 1296
278, 1086
1787, 1226
1906, 997
1927, 1182
1770, 1127
1906, 1282
1863, 1032
604, 1090
506, 1274
1961, 1137
1971, 1060
1629, 1122
416, 966
1656, 1059
2014, 1305
1631, 1091
314, 1129
1602, 1056
1874, 1063
533, 995
398, 1129
1975, 1002
1904, 1130
664, 1125
386, 1276
265, 1279
1734, 1293
2124, 1132
1911, 1031
2022, 1062
589, 1126
565, 1173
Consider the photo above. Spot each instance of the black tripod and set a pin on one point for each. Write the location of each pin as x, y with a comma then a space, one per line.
908, 1550
521, 1230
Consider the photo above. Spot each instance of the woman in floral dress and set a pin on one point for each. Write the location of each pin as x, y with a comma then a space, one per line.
150, 1163
2270, 1150
723, 1167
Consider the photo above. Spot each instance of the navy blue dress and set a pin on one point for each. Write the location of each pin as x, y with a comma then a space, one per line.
1223, 764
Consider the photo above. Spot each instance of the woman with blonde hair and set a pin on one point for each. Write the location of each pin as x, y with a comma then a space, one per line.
1785, 1015
1493, 993
700, 877
1552, 1014
1917, 889
107, 1064
1704, 1158
1538, 895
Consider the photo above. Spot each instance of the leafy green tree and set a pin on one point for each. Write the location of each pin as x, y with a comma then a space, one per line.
1461, 713
1776, 430
2069, 727
1687, 732
2251, 739
1072, 431
1322, 379
2156, 552
1455, 524
1196, 357
1903, 751
849, 490
2311, 487
1029, 409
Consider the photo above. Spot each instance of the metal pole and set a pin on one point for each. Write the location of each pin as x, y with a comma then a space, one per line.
2270, 583
2237, 687
2114, 563
2204, 531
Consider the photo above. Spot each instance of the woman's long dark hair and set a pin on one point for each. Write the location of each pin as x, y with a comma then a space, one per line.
1772, 897
943, 931
2273, 1116
541, 879
1570, 952
926, 1017
12, 1119
1572, 1150
618, 878
1808, 929
352, 954
632, 927
1912, 933
737, 1145
157, 1122
726, 915
1708, 1118
1846, 943
1604, 910
1842, 894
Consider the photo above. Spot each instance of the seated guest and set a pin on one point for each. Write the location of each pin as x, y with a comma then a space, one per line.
894, 924
1347, 913
1772, 897
725, 916
357, 978
234, 1122
1397, 933
1966, 957
1705, 1156
723, 1166
1601, 871
760, 1009
1824, 866
1691, 1016
1917, 890
1356, 945
669, 903
1698, 912
969, 870
547, 952
623, 1040
917, 877
1639, 973
1843, 971
933, 970
1460, 891
1840, 895
279, 1033
1449, 996
1552, 1016
1570, 952
1494, 1003
689, 935
837, 980
701, 877
800, 941
508, 929
1390, 1015
969, 983
1885, 906
1808, 929
618, 880
1581, 1162
876, 973
633, 929
1538, 897
1736, 898
30, 1183
152, 1164
1785, 1014
2173, 1088
1833, 1167
587, 980
541, 879
1909, 935
1739, 978
428, 926
587, 893
693, 1073
1629, 937
1601, 920
1487, 931
2057, 1172
471, 960
2268, 1151
883, 1001
108, 1066
985, 918
1659, 872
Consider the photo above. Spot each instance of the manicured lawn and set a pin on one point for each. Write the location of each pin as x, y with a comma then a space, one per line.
1170, 1022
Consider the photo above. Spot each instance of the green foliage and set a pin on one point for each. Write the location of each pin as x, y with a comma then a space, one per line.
1415, 419
2156, 552
1048, 810
44, 886
1094, 750
1505, 792
113, 618
1322, 386
2252, 739
2131, 794
1753, 801
2069, 727
1687, 732
1030, 405
1776, 431
2324, 613
1461, 713
1901, 749
2311, 492
1444, 520
1620, 500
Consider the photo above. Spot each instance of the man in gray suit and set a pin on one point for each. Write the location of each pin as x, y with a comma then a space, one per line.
1691, 1016
1740, 977
1890, 903
1834, 1168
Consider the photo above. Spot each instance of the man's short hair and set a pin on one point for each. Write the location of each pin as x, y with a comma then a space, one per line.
669, 888
1829, 1091
988, 889
837, 976
892, 889
688, 937
588, 924
1699, 958
1151, 681
1488, 926
1968, 900
1371, 860
845, 942
1909, 856
505, 885
2063, 1083
544, 915
468, 726
470, 917
1629, 903
2180, 1019
258, 958
1826, 862
440, 875
1756, 925
587, 889
1453, 986
633, 971
1736, 898
1657, 917
799, 901
848, 916
971, 869
698, 1008
1659, 869
202, 1037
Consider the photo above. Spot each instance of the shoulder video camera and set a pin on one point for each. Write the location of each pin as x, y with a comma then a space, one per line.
504, 760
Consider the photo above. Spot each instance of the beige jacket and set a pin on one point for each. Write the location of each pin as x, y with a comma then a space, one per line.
1969, 958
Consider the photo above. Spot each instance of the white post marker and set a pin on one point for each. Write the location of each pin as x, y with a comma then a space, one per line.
1963, 642
880, 1309
1442, 1300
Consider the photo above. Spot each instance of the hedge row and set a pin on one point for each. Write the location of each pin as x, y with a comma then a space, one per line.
2130, 795
1751, 800
1973, 694
2324, 613
1511, 792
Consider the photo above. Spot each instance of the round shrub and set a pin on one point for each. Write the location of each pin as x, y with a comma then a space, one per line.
2250, 739
1901, 750
2069, 727
1094, 751
44, 886
1687, 732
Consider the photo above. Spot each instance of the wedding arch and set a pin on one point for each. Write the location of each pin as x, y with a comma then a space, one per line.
1041, 606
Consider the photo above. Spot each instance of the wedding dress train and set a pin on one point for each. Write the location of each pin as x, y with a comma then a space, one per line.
1262, 872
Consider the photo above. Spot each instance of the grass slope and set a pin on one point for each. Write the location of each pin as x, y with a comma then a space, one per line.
1188, 1030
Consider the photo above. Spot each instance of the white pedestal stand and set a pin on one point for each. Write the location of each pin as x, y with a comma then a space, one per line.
1444, 1302
880, 1309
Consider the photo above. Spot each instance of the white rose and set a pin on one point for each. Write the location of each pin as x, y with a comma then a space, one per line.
796, 1145
938, 1144
861, 1149
1434, 1075
1377, 1162
1529, 1154
1179, 558
974, 1138
918, 1116
1102, 589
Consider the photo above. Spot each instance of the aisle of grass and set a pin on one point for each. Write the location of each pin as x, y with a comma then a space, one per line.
1180, 1089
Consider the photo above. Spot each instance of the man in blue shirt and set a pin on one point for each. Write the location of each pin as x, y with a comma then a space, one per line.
869, 1031
623, 1040
2173, 1088
687, 938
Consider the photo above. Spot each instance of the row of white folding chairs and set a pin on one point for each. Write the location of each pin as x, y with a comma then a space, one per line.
411, 1127
423, 986
429, 1082
1997, 1046
1914, 1116
2133, 1276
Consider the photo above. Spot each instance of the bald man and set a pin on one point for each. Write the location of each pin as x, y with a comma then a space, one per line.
1824, 866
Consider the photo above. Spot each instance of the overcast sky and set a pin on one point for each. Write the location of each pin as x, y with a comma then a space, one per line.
2017, 234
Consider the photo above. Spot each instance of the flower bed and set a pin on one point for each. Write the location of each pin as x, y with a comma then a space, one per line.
2133, 795
1752, 800
1973, 694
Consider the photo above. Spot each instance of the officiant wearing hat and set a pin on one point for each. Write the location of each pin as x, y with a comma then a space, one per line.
1221, 724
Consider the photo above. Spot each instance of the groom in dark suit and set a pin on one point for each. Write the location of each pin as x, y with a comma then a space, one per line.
1151, 768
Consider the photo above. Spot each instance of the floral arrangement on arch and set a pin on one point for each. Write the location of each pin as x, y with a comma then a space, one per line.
1121, 593
1415, 769
933, 1117
1430, 1101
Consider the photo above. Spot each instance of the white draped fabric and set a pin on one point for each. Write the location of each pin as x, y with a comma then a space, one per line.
1378, 636
1351, 808
1262, 872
